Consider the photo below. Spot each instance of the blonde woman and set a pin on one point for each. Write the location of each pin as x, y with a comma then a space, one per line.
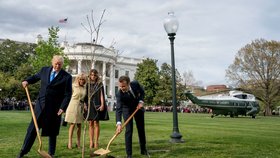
74, 112
95, 92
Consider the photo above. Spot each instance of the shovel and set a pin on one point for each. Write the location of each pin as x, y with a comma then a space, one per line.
102, 151
42, 153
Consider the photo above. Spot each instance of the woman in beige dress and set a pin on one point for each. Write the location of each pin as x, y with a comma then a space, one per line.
74, 112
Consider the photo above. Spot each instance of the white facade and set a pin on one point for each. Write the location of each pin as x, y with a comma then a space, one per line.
86, 56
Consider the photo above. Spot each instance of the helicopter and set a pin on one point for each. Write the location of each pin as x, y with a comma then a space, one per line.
233, 104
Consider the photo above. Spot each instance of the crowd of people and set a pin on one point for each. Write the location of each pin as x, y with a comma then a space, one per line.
182, 109
11, 104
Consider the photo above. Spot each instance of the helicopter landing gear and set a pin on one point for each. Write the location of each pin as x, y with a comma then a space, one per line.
253, 116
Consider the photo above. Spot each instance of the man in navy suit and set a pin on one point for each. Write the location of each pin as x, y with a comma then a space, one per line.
129, 97
53, 99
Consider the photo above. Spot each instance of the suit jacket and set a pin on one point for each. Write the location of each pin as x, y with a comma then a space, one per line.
126, 102
52, 96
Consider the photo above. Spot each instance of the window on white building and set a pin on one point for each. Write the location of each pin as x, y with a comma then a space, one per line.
116, 73
107, 92
116, 89
126, 73
107, 70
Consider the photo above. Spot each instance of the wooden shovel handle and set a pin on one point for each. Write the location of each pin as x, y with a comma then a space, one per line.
125, 123
34, 117
130, 117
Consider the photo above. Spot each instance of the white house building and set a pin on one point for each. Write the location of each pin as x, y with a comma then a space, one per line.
86, 56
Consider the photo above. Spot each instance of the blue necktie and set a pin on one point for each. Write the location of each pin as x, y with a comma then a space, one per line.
52, 76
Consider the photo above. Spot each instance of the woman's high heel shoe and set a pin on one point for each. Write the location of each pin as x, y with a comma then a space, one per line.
77, 146
95, 145
68, 147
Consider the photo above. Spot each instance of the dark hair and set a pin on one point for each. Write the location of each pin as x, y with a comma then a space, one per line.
124, 78
95, 72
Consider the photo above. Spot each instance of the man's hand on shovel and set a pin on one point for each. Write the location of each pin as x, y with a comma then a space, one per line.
119, 126
119, 129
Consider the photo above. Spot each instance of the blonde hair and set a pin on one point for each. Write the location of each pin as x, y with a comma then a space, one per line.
80, 76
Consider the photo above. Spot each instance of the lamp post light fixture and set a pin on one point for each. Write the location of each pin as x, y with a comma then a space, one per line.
171, 25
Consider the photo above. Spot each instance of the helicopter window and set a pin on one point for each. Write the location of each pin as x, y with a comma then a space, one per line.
241, 96
250, 96
238, 96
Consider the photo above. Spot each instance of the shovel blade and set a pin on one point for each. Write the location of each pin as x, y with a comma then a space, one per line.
44, 154
102, 152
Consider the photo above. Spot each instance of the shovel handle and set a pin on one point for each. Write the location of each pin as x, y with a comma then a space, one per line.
34, 117
130, 117
125, 123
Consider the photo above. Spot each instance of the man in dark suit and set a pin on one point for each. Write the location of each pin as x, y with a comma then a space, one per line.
53, 99
129, 97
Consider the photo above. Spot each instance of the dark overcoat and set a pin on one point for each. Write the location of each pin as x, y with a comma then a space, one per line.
52, 96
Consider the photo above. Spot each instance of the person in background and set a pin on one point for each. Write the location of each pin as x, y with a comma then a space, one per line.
74, 112
53, 99
129, 97
95, 100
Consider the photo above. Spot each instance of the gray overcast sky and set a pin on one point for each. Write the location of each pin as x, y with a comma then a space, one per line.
208, 38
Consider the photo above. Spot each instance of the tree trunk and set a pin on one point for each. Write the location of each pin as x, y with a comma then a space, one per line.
267, 110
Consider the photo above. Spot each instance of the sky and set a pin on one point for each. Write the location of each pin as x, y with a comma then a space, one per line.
208, 39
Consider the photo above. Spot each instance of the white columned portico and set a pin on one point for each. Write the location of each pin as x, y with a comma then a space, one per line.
104, 76
81, 61
112, 81
92, 64
79, 66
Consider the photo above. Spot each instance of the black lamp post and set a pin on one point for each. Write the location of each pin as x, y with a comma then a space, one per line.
171, 26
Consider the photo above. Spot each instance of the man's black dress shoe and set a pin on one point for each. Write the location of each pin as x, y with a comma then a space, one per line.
20, 155
145, 152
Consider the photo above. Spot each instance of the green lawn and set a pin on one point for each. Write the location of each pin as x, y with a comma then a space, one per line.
219, 137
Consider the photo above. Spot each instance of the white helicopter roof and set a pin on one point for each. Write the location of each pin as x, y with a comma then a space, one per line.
232, 95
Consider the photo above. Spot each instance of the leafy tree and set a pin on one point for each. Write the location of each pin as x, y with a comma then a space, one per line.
12, 57
4, 86
45, 50
24, 71
164, 93
13, 54
147, 74
9, 86
256, 68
